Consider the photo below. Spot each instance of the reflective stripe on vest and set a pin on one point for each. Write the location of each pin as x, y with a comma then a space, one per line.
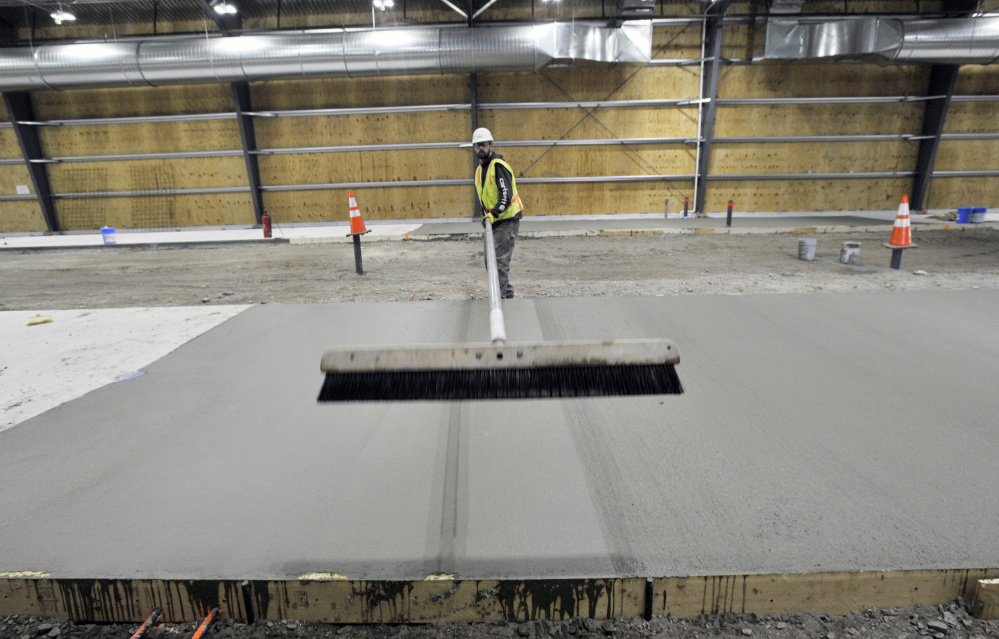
489, 195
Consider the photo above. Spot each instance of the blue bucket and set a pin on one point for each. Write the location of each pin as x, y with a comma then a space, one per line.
963, 213
977, 215
108, 234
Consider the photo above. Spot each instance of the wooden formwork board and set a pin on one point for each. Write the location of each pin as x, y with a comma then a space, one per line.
813, 157
215, 209
21, 216
977, 79
355, 167
950, 192
832, 593
147, 137
819, 119
967, 155
147, 175
374, 203
807, 195
586, 124
804, 79
341, 130
590, 161
133, 101
326, 598
973, 117
333, 93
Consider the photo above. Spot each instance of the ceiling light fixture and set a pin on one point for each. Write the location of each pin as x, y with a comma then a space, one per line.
383, 4
224, 8
61, 15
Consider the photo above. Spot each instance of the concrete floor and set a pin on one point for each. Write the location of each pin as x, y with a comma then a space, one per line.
818, 433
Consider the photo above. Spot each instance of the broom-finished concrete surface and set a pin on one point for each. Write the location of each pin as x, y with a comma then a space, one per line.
818, 433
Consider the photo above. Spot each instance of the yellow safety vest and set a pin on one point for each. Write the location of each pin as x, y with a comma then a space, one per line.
489, 194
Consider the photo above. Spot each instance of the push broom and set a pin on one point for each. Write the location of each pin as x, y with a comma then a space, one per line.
500, 370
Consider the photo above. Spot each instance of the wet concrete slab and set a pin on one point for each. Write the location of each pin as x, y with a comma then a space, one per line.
542, 224
818, 433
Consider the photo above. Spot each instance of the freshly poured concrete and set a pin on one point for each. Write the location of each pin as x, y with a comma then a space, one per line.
818, 433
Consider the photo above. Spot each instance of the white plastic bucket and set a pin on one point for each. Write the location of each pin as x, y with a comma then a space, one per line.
850, 252
806, 249
107, 233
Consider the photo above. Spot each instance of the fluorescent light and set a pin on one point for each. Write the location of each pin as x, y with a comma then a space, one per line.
224, 8
60, 16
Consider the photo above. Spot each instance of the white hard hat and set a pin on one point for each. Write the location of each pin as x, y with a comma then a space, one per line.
481, 135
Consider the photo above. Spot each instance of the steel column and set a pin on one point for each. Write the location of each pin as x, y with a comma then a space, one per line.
943, 78
241, 96
714, 13
20, 110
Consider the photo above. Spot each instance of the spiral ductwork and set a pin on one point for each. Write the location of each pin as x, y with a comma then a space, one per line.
328, 53
885, 40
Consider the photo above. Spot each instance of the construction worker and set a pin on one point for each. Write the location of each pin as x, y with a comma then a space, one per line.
499, 202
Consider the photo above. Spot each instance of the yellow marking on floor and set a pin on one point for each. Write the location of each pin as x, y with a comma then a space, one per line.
441, 577
24, 574
322, 576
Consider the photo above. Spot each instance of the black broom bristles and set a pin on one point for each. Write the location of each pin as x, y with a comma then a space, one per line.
508, 383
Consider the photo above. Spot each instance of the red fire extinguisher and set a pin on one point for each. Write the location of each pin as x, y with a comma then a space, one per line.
266, 221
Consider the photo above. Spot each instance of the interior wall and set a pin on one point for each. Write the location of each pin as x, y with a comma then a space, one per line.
667, 167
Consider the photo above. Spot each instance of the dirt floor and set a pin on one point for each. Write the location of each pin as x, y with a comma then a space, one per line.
451, 268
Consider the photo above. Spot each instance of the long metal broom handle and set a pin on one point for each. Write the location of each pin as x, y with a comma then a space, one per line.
497, 328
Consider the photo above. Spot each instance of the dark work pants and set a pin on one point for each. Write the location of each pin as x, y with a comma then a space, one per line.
504, 237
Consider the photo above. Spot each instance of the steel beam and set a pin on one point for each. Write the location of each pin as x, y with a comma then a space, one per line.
248, 138
713, 12
21, 112
943, 78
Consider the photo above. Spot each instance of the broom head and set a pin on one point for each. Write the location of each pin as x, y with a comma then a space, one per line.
503, 371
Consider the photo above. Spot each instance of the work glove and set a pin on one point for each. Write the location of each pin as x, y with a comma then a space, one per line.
488, 215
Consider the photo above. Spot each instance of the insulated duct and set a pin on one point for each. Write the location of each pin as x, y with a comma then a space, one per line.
885, 40
326, 53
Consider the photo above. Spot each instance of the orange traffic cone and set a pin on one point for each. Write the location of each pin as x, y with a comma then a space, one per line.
901, 233
356, 221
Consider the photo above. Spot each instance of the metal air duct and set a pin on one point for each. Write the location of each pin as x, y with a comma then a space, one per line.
327, 53
885, 40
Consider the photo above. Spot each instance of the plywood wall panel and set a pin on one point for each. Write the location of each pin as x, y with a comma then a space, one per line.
11, 175
807, 195
973, 117
374, 203
814, 157
156, 211
139, 101
677, 42
591, 161
150, 137
967, 155
977, 79
819, 119
950, 193
587, 124
148, 175
394, 128
621, 82
821, 80
370, 166
334, 93
21, 217
9, 147
604, 198
4, 115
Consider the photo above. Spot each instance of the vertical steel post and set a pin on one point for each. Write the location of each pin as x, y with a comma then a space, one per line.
713, 16
728, 216
21, 113
357, 255
943, 77
248, 138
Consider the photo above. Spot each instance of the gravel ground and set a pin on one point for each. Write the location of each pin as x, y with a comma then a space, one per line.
942, 622
451, 268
